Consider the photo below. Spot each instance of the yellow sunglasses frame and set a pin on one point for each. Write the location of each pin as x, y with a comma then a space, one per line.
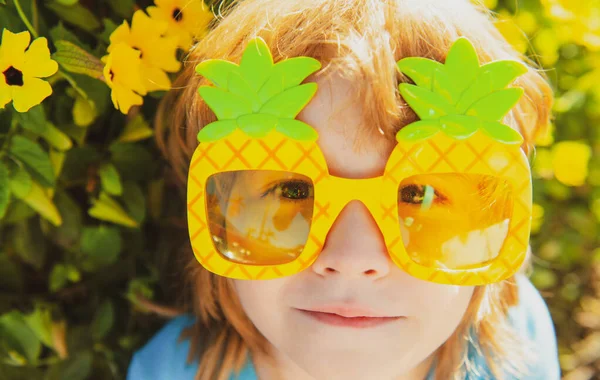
479, 154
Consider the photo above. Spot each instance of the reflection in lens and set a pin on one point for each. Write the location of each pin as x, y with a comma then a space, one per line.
453, 220
259, 217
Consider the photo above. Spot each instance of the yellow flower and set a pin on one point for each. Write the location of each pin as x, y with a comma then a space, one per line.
188, 19
158, 54
537, 217
570, 162
21, 70
509, 28
121, 72
576, 21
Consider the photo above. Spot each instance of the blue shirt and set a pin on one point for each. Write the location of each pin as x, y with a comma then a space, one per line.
164, 358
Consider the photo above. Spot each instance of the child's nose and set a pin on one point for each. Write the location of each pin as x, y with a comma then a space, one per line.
354, 246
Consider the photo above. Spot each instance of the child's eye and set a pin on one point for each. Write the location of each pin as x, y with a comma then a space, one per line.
292, 190
416, 194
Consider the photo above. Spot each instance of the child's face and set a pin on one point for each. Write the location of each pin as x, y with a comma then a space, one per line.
353, 269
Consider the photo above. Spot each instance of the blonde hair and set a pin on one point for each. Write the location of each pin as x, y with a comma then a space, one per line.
361, 40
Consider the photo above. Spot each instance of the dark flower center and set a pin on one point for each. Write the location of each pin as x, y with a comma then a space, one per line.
13, 77
177, 15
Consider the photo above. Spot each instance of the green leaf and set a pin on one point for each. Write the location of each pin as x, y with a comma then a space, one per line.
11, 275
17, 211
494, 106
40, 322
68, 233
84, 111
8, 371
426, 104
77, 367
4, 190
297, 130
10, 20
216, 130
224, 104
3, 2
29, 243
290, 102
106, 208
217, 71
135, 130
34, 157
76, 14
96, 92
418, 131
502, 133
33, 120
462, 62
460, 126
420, 70
286, 74
256, 63
76, 60
77, 163
492, 76
109, 28
31, 193
123, 8
110, 179
257, 125
59, 277
133, 161
100, 245
16, 335
103, 320
57, 138
59, 32
135, 201
20, 183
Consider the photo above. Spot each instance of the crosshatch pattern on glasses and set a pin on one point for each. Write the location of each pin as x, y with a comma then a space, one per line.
440, 154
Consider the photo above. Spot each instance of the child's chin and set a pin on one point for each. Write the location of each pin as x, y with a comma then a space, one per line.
343, 368
346, 357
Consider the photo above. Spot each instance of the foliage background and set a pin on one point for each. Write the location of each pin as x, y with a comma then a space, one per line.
74, 297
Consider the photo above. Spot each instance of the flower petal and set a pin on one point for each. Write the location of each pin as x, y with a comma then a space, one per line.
123, 98
37, 60
196, 16
33, 91
143, 25
121, 34
174, 28
125, 65
162, 53
154, 78
13, 47
5, 93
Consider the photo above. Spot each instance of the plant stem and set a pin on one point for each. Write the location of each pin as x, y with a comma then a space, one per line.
25, 20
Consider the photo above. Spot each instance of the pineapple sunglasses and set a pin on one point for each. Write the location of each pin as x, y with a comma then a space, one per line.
454, 202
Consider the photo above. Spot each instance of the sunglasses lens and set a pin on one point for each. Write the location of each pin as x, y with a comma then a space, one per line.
454, 221
259, 217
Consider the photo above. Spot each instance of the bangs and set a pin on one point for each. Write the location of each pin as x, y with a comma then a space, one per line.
361, 40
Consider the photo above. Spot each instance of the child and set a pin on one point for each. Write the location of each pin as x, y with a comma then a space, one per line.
284, 327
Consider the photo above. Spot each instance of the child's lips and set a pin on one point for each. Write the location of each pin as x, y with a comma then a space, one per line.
349, 316
355, 322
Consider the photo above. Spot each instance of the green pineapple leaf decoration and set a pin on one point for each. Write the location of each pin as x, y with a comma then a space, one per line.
257, 96
460, 97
